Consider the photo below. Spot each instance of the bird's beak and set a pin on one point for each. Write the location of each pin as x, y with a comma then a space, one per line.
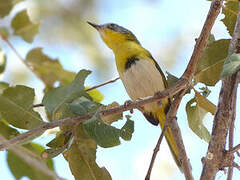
97, 27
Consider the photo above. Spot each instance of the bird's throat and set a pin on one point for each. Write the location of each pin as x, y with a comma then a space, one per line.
126, 54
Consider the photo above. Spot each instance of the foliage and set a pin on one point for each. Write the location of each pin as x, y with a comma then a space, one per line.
211, 62
231, 65
16, 107
48, 70
23, 27
70, 98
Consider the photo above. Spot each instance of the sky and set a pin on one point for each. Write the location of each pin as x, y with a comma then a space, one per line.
160, 21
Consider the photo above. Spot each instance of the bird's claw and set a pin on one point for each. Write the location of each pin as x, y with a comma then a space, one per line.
126, 103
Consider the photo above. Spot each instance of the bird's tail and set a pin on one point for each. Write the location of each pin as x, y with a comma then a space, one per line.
170, 139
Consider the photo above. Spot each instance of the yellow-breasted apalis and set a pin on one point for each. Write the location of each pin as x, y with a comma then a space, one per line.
140, 74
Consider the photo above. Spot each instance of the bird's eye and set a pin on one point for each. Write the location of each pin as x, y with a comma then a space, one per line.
111, 26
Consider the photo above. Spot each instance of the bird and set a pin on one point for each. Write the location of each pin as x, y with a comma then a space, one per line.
140, 75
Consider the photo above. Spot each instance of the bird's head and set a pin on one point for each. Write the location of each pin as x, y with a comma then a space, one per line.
114, 35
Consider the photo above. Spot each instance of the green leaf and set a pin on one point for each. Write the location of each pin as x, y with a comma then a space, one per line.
211, 62
16, 107
231, 65
230, 10
211, 38
55, 100
7, 131
47, 69
82, 106
57, 145
16, 164
195, 115
2, 61
82, 158
105, 135
61, 140
20, 168
127, 130
113, 117
3, 86
23, 27
205, 91
52, 153
204, 103
5, 7
171, 79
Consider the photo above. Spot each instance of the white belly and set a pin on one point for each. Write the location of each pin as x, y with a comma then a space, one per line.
142, 79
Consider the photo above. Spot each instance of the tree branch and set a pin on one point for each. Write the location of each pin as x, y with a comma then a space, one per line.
103, 84
222, 119
203, 38
188, 74
234, 149
181, 84
231, 134
89, 89
155, 151
172, 120
31, 161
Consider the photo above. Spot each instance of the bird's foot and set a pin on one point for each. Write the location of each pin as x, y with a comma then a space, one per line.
127, 103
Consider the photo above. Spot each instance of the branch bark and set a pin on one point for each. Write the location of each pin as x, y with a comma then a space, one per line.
172, 120
188, 74
89, 89
181, 84
155, 151
225, 113
21, 152
203, 38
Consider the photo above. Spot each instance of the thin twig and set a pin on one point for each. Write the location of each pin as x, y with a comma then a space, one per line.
172, 120
223, 117
188, 75
203, 38
15, 51
171, 116
231, 129
155, 151
181, 84
107, 82
236, 166
230, 169
31, 161
22, 59
231, 133
234, 149
89, 89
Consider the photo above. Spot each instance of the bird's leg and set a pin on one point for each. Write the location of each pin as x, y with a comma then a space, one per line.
126, 103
